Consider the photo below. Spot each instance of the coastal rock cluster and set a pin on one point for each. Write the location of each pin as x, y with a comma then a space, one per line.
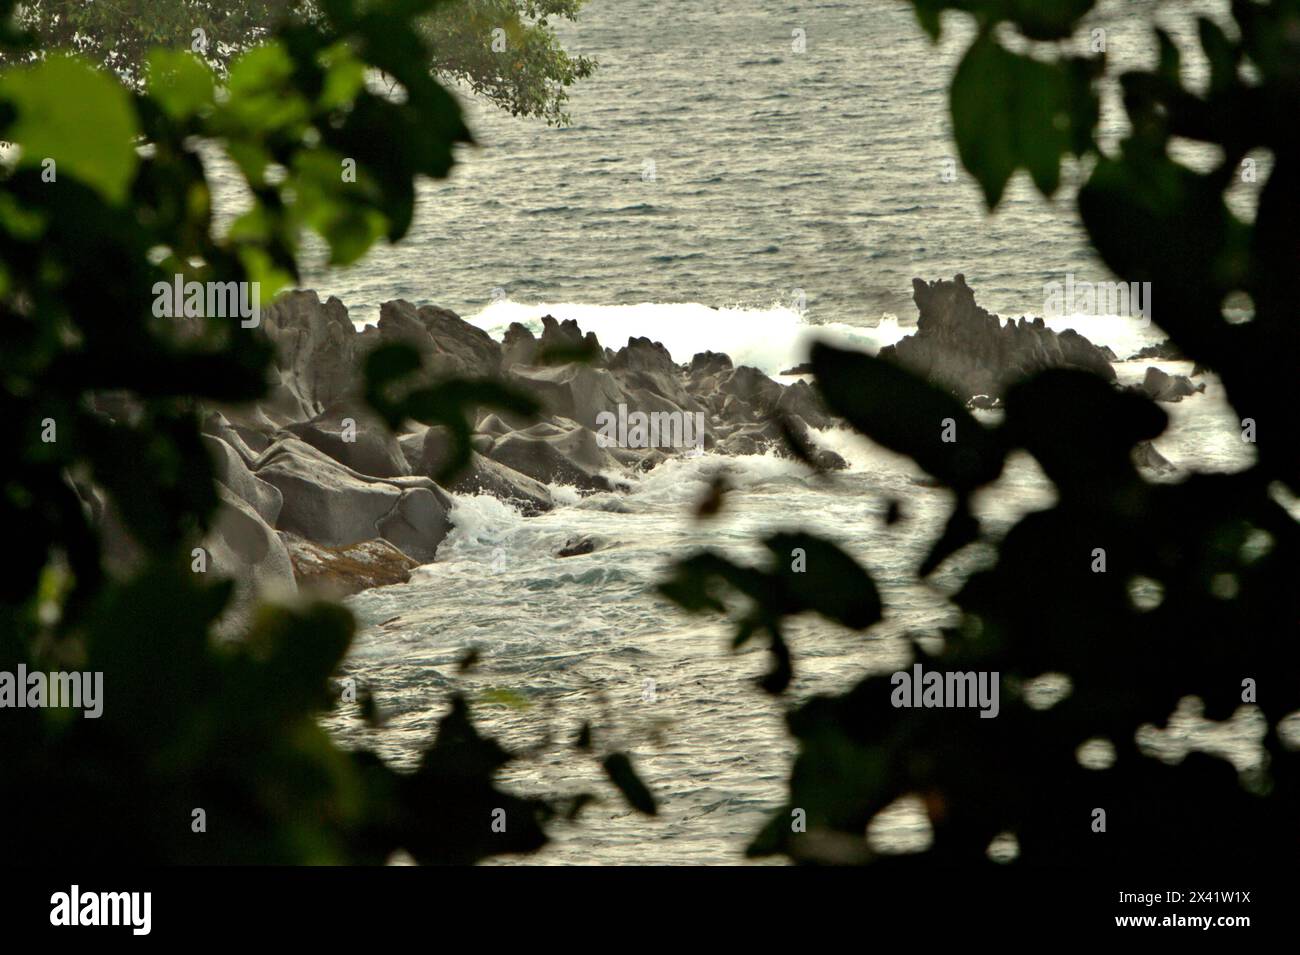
321, 493
965, 349
316, 491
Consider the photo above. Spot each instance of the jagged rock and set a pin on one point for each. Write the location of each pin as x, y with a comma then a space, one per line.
566, 336
967, 351
571, 458
800, 398
1164, 387
329, 503
803, 368
233, 472
449, 345
518, 346
1161, 351
710, 363
574, 390
646, 366
315, 347
752, 439
341, 571
481, 475
366, 445
485, 476
758, 391
576, 546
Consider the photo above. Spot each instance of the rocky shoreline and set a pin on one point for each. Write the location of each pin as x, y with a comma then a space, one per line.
318, 494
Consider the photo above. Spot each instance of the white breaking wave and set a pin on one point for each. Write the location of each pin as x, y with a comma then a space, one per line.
771, 339
1125, 335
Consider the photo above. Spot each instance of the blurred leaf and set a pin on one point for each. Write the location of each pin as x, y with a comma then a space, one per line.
618, 767
903, 413
52, 100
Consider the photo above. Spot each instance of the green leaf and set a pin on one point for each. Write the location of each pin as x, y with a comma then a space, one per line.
1014, 112
53, 101
180, 82
1046, 19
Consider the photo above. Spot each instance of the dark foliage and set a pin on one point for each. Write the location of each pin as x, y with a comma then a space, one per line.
1221, 547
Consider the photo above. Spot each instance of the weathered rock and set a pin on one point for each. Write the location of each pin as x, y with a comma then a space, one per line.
800, 398
1146, 456
574, 390
449, 345
967, 351
315, 353
1164, 387
340, 571
218, 425
481, 475
418, 524
571, 458
233, 472
244, 549
1161, 351
566, 336
710, 363
758, 391
646, 366
518, 346
356, 438
329, 503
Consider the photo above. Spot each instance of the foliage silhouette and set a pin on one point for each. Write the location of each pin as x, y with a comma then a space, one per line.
1222, 547
90, 220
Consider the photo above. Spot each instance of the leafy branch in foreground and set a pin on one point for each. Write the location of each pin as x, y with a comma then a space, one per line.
204, 751
1220, 548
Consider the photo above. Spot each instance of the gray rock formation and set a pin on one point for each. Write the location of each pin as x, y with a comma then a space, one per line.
1165, 387
569, 457
352, 436
243, 548
968, 351
329, 503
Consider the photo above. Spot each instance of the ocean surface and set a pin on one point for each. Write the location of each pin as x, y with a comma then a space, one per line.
717, 190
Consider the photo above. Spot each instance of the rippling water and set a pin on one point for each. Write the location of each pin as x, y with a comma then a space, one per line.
775, 173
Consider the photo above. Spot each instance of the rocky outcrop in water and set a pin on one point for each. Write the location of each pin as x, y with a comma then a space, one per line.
315, 489
969, 351
1161, 386
1161, 351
